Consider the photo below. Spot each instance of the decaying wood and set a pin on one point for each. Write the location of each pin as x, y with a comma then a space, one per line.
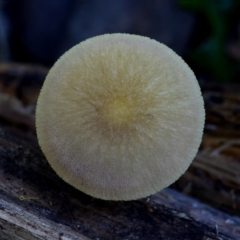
34, 200
30, 190
214, 175
189, 207
17, 223
19, 89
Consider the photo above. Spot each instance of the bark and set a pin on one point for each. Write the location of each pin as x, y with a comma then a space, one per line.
36, 204
214, 176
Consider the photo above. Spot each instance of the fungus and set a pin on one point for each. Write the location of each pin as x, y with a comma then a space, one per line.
120, 116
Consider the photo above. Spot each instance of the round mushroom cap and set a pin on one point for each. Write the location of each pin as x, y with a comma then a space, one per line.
120, 116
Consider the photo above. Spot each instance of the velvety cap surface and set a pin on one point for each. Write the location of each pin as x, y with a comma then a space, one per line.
120, 116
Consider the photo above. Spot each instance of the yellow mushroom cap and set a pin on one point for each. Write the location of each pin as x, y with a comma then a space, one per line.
120, 116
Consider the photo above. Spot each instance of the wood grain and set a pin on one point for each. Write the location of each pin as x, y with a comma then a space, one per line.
36, 204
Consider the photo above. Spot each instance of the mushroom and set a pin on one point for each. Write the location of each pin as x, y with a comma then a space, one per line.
120, 116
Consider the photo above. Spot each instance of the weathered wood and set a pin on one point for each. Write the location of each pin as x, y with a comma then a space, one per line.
17, 223
214, 175
19, 89
189, 207
34, 200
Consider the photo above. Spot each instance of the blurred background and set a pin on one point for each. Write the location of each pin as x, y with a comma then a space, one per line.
206, 33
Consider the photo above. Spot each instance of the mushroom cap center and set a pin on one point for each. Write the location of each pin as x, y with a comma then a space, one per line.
117, 112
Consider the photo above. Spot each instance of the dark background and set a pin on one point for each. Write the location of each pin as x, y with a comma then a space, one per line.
206, 33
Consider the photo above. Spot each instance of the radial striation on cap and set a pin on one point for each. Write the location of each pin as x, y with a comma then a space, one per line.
120, 116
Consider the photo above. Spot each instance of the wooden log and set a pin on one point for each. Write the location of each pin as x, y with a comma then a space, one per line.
214, 175
17, 223
34, 200
36, 204
189, 207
